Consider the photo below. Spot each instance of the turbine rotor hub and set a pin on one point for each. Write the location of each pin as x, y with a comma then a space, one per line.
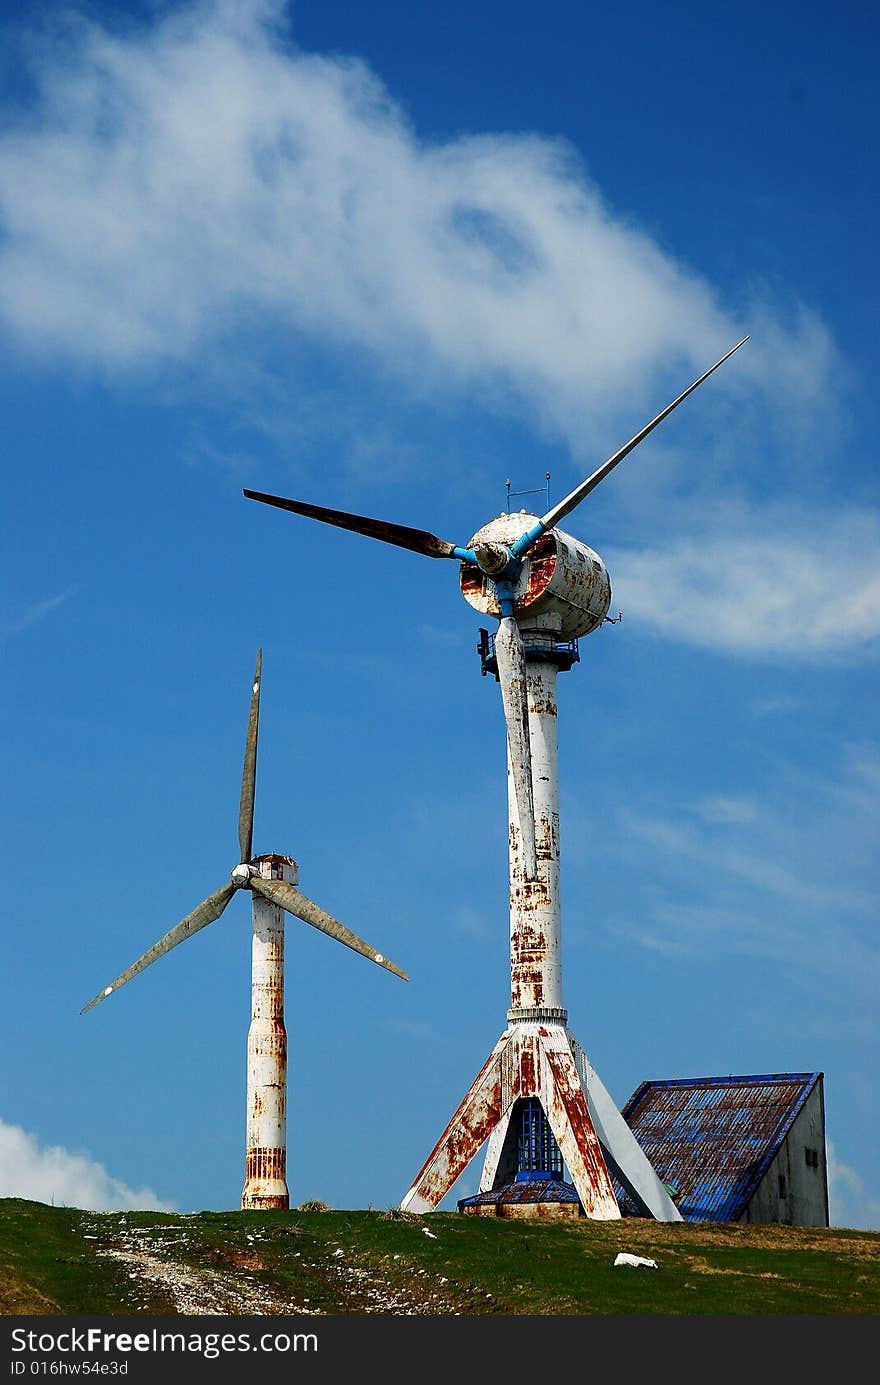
242, 873
492, 558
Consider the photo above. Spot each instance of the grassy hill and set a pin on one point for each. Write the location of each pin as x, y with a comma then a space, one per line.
60, 1260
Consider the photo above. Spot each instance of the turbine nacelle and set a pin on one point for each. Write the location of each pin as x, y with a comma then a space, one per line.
560, 579
271, 867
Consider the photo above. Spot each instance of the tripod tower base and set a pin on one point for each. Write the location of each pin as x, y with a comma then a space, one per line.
543, 1060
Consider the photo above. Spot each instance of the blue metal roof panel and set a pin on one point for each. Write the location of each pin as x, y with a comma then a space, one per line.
538, 1190
714, 1138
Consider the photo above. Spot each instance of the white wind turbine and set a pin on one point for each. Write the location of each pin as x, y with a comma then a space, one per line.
546, 589
271, 881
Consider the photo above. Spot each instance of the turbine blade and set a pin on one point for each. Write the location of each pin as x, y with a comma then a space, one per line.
294, 902
514, 695
566, 506
205, 913
249, 772
417, 540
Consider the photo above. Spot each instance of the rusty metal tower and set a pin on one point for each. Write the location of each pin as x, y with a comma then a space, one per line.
272, 881
537, 1102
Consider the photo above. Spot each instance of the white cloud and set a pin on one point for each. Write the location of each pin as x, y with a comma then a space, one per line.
420, 1030
778, 704
786, 874
850, 1205
177, 186
437, 634
17, 622
726, 808
52, 1174
765, 861
177, 183
769, 583
860, 789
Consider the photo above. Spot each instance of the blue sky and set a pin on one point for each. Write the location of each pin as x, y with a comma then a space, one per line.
386, 259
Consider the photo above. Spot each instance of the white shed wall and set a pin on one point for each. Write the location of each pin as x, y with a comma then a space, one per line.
805, 1198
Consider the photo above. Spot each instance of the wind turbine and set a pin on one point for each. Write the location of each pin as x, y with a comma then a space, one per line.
271, 881
537, 1100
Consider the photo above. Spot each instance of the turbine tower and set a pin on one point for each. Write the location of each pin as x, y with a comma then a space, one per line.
272, 882
537, 1102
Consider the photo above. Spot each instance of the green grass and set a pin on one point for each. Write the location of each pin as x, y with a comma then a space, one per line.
55, 1260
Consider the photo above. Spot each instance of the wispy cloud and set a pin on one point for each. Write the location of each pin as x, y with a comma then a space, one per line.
779, 704
726, 808
778, 585
860, 788
182, 188
53, 1174
765, 862
850, 1204
436, 634
754, 862
182, 180
420, 1030
16, 622
786, 874
469, 922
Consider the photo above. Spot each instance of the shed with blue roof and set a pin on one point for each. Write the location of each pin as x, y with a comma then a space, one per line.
744, 1149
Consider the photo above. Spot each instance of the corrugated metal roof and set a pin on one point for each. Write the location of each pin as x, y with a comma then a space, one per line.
534, 1190
713, 1138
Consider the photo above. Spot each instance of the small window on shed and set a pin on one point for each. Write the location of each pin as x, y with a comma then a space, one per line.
597, 567
783, 1189
812, 1157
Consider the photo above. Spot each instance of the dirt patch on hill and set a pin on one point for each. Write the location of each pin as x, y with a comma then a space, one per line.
164, 1278
194, 1289
19, 1297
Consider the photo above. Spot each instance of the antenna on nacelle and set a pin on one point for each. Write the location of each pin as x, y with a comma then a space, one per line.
535, 491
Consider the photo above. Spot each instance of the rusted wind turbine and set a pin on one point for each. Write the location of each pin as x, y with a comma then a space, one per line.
537, 1100
271, 881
